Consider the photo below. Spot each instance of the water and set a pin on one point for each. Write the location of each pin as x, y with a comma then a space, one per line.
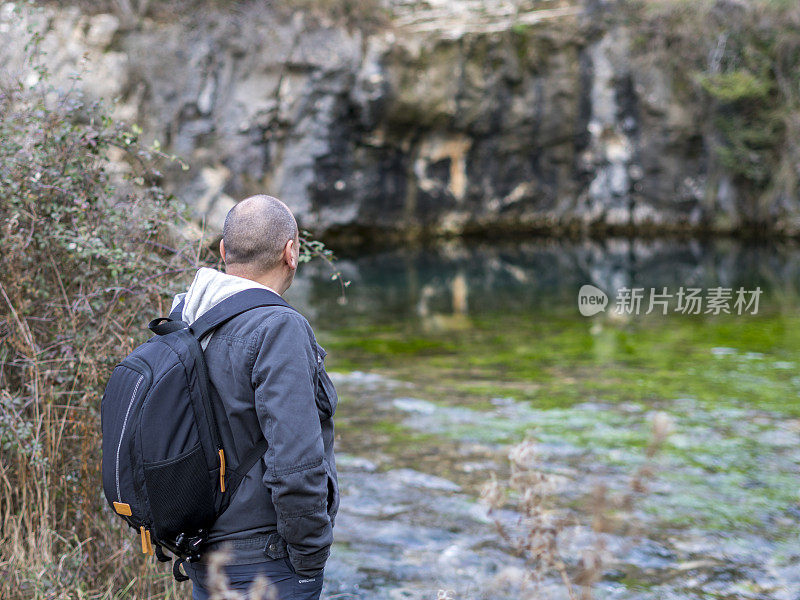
445, 357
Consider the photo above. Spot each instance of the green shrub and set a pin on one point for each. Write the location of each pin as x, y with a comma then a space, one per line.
736, 86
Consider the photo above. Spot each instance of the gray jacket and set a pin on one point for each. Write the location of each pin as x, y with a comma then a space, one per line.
269, 375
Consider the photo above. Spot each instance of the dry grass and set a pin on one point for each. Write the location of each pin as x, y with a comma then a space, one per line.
219, 586
90, 248
538, 536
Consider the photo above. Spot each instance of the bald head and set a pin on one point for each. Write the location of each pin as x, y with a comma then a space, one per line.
256, 231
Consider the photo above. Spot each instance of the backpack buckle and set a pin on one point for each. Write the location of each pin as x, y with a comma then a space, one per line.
189, 546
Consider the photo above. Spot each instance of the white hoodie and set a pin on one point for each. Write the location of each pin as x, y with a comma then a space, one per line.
209, 288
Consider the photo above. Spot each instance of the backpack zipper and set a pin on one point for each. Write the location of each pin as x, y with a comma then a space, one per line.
122, 434
222, 470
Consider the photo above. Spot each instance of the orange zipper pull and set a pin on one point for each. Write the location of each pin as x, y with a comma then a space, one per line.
123, 509
222, 470
147, 544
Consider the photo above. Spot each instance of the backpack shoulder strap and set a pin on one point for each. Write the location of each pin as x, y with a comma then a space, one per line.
235, 305
247, 462
177, 312
231, 307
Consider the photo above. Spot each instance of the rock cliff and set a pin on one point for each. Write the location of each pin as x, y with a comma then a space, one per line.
451, 117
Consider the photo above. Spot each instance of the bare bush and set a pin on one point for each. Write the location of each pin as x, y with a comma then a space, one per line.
538, 536
90, 246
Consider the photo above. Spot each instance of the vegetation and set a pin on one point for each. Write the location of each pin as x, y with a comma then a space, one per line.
538, 535
92, 243
736, 62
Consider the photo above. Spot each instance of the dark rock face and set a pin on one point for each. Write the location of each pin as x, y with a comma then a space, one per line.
439, 123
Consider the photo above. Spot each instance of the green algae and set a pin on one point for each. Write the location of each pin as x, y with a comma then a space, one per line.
732, 360
590, 384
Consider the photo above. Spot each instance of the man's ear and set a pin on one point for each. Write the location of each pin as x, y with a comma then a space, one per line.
222, 249
288, 255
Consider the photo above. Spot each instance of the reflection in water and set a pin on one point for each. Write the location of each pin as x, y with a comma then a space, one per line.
453, 279
459, 290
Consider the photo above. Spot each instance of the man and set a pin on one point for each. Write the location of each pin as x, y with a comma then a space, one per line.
270, 380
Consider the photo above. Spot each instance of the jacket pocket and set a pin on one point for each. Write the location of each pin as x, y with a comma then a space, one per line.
327, 399
333, 492
275, 547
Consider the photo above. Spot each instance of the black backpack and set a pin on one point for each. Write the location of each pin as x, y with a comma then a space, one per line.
164, 466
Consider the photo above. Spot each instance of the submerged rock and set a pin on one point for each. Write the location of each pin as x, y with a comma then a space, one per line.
422, 480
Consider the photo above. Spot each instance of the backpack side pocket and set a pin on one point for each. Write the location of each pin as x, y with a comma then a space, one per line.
180, 493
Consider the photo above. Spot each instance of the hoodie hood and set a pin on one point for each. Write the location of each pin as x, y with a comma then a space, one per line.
209, 288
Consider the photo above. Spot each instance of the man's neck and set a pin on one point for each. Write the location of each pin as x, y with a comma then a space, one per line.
273, 280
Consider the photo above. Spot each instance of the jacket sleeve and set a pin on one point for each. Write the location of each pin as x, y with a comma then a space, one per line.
284, 372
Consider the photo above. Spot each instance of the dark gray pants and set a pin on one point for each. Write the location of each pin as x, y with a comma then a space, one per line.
288, 584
